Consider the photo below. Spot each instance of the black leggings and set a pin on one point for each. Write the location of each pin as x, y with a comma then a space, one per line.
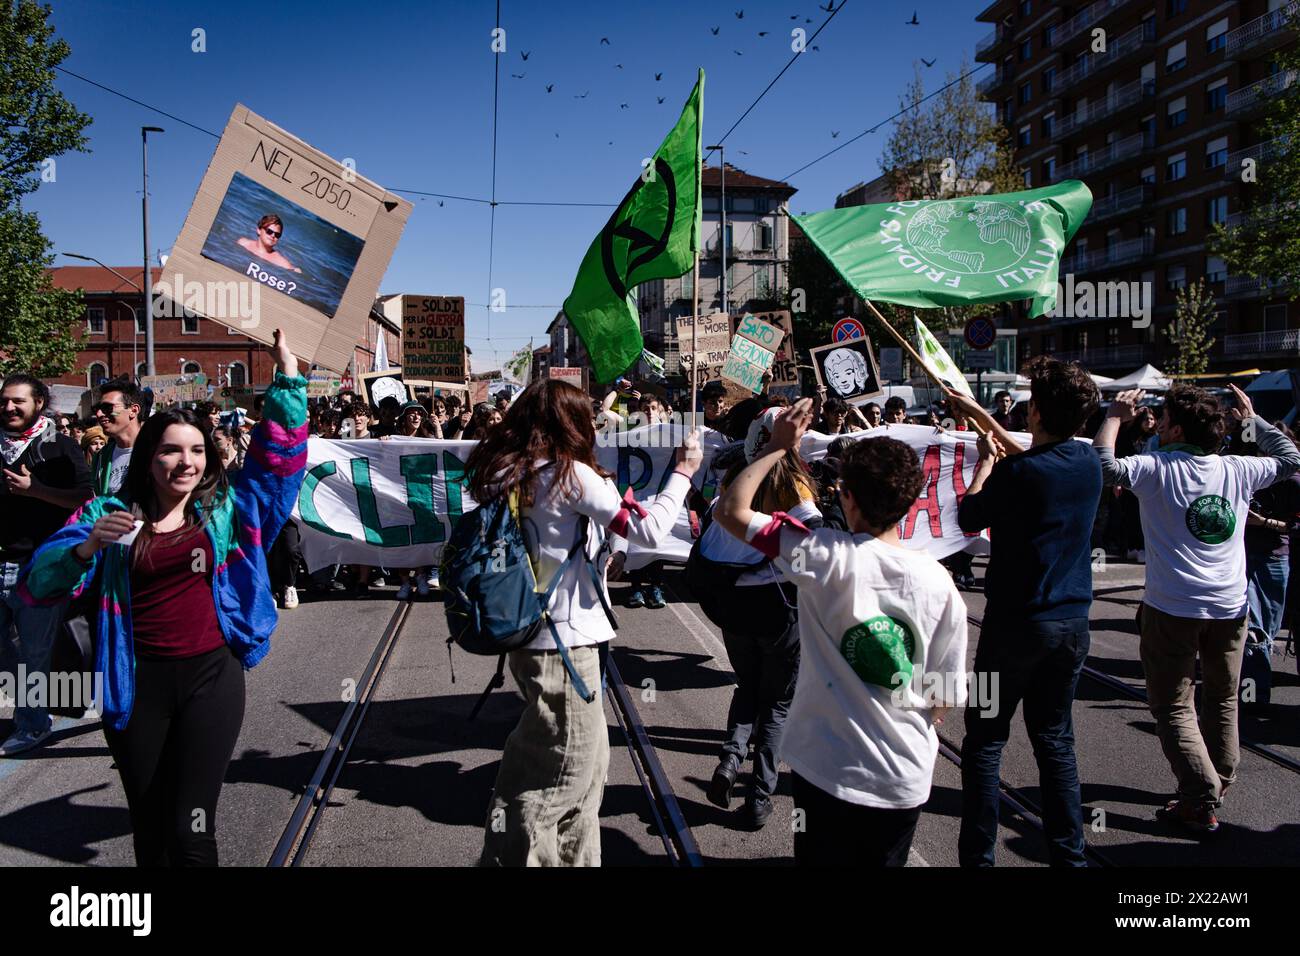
285, 554
838, 833
174, 752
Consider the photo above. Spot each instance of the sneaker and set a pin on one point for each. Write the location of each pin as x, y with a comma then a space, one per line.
422, 586
1195, 816
1141, 556
433, 581
378, 581
756, 811
290, 600
22, 741
404, 592
655, 598
724, 778
637, 599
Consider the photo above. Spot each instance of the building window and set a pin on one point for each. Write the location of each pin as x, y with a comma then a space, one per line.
1049, 169
712, 204
189, 325
1216, 35
744, 204
1177, 221
1112, 336
1025, 7
1175, 7
1049, 37
1147, 126
95, 321
1216, 95
238, 374
1176, 57
1049, 125
763, 237
1275, 318
1026, 50
688, 285
140, 370
1026, 93
1176, 167
1049, 79
1216, 153
1216, 210
97, 373
1176, 112
1148, 177
1025, 136
191, 368
1176, 278
1215, 270
1029, 179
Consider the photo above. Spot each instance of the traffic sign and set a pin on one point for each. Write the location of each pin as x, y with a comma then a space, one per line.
847, 328
980, 359
980, 333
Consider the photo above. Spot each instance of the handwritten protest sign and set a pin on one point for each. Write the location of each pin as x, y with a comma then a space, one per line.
174, 389
574, 376
433, 336
752, 352
711, 342
322, 383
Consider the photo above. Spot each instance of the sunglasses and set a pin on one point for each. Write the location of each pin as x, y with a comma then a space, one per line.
105, 408
271, 232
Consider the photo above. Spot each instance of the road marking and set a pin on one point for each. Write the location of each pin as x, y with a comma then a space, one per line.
915, 859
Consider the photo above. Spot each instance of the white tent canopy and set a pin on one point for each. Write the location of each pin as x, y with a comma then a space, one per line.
1148, 377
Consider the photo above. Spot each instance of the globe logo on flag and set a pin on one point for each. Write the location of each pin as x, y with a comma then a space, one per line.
987, 237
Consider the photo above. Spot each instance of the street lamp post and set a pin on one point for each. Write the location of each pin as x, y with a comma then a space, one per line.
147, 279
722, 235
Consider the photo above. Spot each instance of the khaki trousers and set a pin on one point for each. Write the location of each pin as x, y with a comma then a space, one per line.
545, 808
1203, 755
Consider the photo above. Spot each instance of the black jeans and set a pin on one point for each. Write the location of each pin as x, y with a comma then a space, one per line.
285, 555
1037, 662
765, 671
835, 832
651, 576
173, 754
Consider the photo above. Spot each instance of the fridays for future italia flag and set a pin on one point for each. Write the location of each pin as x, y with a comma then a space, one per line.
653, 234
927, 253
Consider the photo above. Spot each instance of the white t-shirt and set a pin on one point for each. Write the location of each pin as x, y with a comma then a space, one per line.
718, 544
550, 526
860, 725
1194, 520
120, 462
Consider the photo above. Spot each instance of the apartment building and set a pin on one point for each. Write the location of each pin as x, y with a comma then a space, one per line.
1154, 104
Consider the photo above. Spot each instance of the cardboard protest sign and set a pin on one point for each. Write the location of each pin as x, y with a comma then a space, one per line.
282, 236
576, 377
377, 386
174, 389
712, 342
478, 392
433, 336
236, 396
847, 370
785, 372
322, 383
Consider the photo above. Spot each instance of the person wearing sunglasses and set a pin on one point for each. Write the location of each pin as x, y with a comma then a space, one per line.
269, 231
118, 413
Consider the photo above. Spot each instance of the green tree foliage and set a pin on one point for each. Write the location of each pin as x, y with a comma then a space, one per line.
1266, 242
38, 323
1190, 331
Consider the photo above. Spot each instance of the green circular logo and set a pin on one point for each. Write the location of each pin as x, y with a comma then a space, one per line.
977, 238
880, 651
1210, 519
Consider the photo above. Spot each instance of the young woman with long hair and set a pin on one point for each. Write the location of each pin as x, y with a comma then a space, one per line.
546, 805
184, 609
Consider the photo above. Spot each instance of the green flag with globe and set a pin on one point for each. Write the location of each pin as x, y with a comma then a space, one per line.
928, 253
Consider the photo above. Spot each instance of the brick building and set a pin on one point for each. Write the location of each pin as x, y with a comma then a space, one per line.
1157, 125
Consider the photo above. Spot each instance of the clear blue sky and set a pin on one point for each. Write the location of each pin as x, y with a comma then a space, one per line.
406, 90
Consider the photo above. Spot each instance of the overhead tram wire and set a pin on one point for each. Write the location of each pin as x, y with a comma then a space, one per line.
109, 89
887, 119
492, 223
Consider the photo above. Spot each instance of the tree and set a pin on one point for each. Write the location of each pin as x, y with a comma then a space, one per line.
1266, 242
1190, 331
38, 323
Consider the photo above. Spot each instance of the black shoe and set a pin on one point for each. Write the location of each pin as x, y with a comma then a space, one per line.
724, 778
756, 811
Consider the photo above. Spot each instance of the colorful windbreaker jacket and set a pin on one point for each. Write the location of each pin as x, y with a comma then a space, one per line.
242, 527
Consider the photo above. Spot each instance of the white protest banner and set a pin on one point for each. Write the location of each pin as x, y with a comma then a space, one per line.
281, 236
392, 503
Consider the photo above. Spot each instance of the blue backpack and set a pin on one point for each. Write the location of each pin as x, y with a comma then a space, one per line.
491, 597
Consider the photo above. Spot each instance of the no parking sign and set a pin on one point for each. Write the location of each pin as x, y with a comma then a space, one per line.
847, 328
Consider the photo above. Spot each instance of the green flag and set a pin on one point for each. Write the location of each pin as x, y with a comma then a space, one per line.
653, 234
935, 252
940, 362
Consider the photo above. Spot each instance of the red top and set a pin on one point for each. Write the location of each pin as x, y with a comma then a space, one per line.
172, 610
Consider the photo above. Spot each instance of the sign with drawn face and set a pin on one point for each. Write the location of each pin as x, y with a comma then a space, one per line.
847, 370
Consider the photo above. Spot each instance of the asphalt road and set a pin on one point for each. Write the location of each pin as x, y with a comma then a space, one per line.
416, 786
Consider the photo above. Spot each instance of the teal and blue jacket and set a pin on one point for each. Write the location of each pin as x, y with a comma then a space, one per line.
242, 526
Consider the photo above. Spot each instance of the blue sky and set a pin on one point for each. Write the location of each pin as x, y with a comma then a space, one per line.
405, 89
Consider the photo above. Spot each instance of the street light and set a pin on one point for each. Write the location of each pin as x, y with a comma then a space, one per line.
147, 279
722, 240
135, 358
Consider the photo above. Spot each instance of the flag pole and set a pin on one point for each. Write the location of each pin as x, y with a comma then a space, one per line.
695, 330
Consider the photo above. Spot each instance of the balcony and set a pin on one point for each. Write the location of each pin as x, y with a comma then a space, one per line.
986, 50
1126, 201
1126, 356
1085, 18
1260, 153
1250, 99
1248, 287
1116, 152
990, 83
1118, 254
1262, 33
1285, 343
1108, 108
1138, 39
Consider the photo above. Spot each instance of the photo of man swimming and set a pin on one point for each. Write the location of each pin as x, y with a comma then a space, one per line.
269, 231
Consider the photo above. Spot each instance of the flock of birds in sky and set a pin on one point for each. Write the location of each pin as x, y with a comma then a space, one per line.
828, 7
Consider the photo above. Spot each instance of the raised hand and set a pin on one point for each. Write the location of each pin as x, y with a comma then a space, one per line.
285, 360
1245, 409
790, 425
690, 455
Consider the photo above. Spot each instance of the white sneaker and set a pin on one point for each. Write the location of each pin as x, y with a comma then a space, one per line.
433, 581
1142, 556
404, 592
290, 598
422, 586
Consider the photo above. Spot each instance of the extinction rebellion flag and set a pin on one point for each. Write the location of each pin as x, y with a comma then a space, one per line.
652, 235
935, 252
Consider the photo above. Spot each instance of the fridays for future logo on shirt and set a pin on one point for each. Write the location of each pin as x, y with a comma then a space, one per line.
1211, 520
880, 651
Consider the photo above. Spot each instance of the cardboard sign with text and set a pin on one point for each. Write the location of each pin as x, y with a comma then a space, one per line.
785, 372
322, 383
752, 352
174, 389
575, 376
433, 336
281, 236
712, 342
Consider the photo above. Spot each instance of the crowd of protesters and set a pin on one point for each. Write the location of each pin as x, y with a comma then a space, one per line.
825, 615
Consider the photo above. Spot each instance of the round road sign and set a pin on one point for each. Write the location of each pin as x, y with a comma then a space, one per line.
981, 333
847, 328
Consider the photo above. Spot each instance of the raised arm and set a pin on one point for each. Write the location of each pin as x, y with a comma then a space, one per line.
965, 405
646, 523
1121, 411
1272, 443
735, 508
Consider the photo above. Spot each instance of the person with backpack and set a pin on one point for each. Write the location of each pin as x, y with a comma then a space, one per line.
882, 634
540, 460
184, 606
742, 593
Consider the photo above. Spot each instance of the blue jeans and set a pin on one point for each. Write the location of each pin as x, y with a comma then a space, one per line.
1266, 580
1037, 662
36, 627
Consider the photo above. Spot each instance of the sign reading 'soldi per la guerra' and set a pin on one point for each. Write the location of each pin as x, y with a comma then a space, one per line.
433, 337
282, 236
